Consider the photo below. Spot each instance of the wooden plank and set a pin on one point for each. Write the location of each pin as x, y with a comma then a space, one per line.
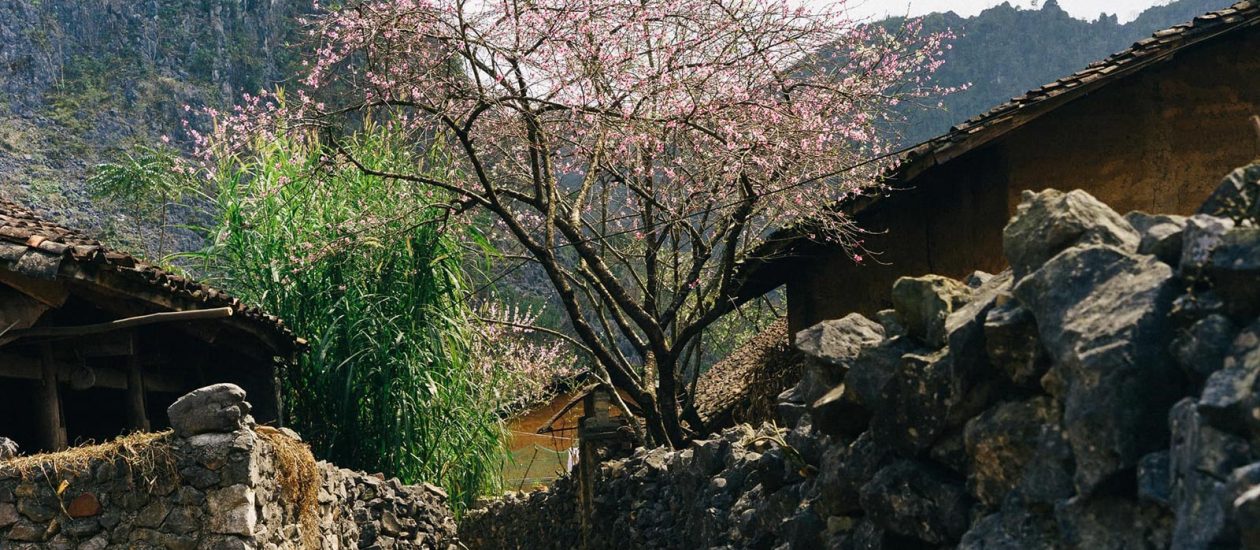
137, 417
18, 367
121, 324
52, 426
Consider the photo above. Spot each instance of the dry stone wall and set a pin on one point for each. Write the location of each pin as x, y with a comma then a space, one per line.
1102, 393
215, 483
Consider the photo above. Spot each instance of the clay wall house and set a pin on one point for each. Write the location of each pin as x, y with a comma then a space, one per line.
95, 342
1152, 128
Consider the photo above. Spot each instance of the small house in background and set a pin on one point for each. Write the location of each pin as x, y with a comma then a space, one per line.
95, 342
1151, 128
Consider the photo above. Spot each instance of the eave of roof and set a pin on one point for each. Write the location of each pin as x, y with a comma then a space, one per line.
757, 273
33, 247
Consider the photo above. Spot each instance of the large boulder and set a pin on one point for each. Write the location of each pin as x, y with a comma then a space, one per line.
1230, 400
1201, 458
1201, 349
1160, 235
844, 469
1233, 270
923, 304
913, 409
1238, 195
1202, 235
918, 499
1107, 521
1001, 442
1013, 346
831, 348
1102, 314
220, 408
1051, 221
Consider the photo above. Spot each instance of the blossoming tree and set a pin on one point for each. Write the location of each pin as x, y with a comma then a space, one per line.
637, 150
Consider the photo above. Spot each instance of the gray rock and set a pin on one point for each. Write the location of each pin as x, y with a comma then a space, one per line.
1200, 458
1107, 521
1160, 235
844, 469
919, 500
1154, 479
1012, 528
1244, 487
887, 318
1001, 442
1229, 399
831, 349
875, 367
1202, 235
1233, 270
1051, 221
1200, 350
1012, 345
972, 384
923, 303
1238, 195
838, 343
913, 409
1102, 314
840, 413
220, 408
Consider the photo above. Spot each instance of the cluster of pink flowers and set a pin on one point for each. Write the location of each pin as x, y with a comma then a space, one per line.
514, 361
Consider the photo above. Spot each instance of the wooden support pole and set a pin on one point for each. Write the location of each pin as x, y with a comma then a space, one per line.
137, 415
53, 430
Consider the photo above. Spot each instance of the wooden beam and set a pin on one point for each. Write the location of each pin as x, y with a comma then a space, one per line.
120, 324
48, 414
137, 417
18, 367
51, 293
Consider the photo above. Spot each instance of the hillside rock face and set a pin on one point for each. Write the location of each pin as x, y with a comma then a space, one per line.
85, 82
1102, 394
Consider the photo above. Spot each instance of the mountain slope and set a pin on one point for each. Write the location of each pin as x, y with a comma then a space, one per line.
81, 81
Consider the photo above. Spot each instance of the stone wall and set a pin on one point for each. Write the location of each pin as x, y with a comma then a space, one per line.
1101, 393
216, 484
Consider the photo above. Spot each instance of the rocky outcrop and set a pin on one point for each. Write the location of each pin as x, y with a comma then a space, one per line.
216, 484
1104, 393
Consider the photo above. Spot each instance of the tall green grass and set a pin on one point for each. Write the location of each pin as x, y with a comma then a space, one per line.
367, 270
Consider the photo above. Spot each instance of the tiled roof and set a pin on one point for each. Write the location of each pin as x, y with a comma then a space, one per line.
743, 386
985, 127
40, 249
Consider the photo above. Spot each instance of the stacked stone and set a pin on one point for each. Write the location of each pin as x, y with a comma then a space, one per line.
1099, 394
212, 484
543, 519
1102, 393
365, 511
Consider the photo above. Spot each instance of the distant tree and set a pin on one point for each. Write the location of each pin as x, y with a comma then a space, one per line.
637, 150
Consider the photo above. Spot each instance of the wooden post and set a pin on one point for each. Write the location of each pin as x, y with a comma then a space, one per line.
137, 414
53, 429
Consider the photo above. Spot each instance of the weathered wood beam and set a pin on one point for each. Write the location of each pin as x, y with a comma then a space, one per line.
25, 368
120, 324
137, 417
48, 408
